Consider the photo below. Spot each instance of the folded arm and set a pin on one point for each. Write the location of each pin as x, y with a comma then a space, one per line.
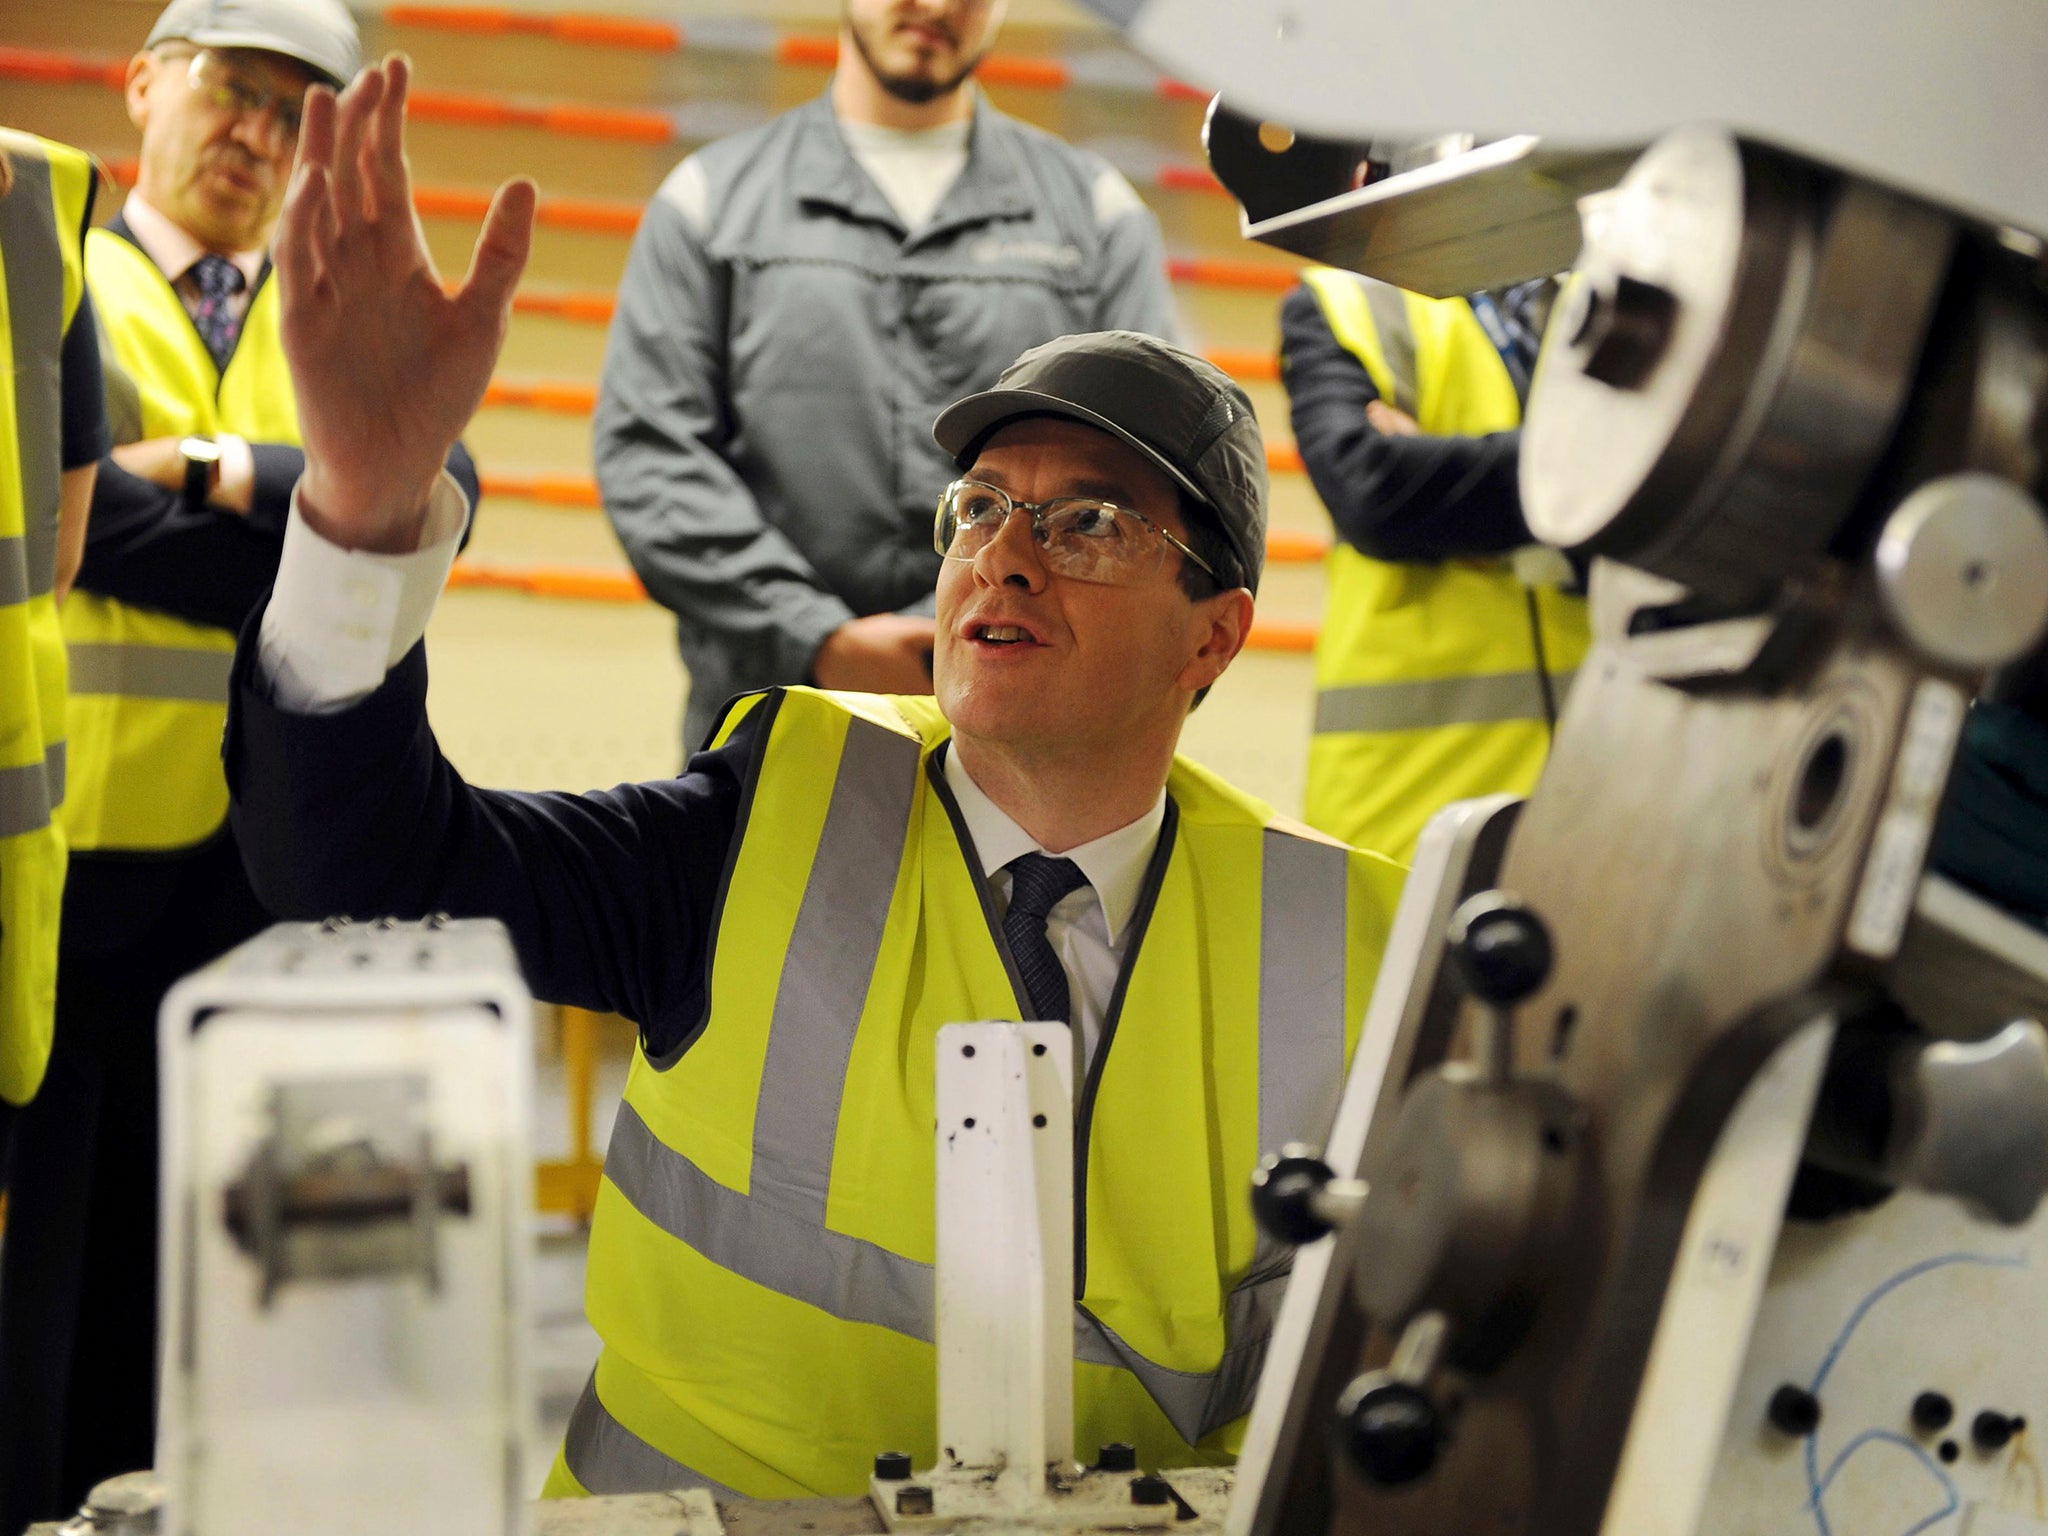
1401, 497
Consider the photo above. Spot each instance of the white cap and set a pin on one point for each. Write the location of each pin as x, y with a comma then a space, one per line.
320, 34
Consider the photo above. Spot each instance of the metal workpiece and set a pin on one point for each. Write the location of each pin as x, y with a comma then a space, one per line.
1286, 1479
1475, 1192
345, 1184
1736, 345
1962, 569
130, 1504
1963, 968
1501, 212
1968, 1119
1795, 415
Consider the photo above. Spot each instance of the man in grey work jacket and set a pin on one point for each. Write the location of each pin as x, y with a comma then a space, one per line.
801, 301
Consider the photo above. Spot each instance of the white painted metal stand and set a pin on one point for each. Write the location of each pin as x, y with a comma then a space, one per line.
1005, 1309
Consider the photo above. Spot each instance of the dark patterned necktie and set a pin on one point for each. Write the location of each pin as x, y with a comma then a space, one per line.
1036, 884
219, 280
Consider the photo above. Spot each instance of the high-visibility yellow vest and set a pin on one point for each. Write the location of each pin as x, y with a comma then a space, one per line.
761, 1254
42, 262
1428, 682
149, 692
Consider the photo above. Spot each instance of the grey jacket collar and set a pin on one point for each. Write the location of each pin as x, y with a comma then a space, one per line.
823, 172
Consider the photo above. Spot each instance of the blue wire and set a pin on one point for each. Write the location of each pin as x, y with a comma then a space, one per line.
1817, 1486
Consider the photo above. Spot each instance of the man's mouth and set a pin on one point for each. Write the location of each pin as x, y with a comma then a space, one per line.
1002, 634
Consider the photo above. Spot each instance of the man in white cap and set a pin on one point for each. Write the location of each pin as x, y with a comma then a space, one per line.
186, 526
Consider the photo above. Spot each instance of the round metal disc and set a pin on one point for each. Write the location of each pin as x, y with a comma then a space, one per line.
1963, 569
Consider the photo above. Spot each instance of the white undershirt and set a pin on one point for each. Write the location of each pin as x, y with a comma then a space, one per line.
914, 167
339, 619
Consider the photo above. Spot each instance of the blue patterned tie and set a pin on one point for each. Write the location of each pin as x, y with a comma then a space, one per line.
219, 281
1036, 884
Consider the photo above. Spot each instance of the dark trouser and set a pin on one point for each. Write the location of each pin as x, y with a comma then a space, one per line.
78, 1268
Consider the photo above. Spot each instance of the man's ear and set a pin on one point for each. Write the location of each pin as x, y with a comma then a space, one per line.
142, 70
1221, 624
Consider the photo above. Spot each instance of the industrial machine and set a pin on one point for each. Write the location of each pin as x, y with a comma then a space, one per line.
1688, 1180
347, 1237
1689, 1177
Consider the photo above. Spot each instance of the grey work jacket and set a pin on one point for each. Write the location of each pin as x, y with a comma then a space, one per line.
782, 346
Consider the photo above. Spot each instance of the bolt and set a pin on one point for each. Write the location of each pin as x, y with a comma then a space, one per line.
1932, 1411
1793, 1411
892, 1466
1150, 1490
1117, 1457
1990, 1430
914, 1500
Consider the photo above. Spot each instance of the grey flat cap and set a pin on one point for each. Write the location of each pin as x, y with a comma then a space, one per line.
320, 34
1180, 411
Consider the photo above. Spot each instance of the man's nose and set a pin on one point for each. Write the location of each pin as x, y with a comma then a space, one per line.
262, 131
1013, 556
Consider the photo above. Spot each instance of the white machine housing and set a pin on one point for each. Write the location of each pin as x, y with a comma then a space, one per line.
346, 1227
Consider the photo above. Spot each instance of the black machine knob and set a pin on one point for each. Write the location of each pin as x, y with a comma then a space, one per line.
1389, 1429
1284, 1187
1499, 951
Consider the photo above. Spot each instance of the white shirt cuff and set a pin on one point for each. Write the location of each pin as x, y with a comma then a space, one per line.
339, 619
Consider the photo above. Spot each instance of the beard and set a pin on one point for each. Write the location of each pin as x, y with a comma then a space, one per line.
914, 90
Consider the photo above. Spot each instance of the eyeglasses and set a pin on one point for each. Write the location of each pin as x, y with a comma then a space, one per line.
215, 81
1078, 536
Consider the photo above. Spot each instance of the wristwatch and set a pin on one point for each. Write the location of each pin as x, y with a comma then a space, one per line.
202, 469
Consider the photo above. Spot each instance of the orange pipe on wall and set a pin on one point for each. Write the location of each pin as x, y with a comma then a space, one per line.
807, 50
1211, 272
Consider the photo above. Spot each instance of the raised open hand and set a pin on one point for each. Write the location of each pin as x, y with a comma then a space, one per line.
388, 365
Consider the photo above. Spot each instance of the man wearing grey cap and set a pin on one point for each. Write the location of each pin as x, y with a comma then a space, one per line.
837, 875
186, 524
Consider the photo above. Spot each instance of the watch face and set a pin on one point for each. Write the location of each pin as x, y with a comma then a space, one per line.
200, 450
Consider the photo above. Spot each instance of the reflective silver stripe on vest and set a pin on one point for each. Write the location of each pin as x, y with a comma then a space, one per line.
1389, 308
14, 579
606, 1457
1198, 1403
858, 1282
1302, 957
35, 321
29, 794
1487, 699
152, 672
760, 1240
828, 967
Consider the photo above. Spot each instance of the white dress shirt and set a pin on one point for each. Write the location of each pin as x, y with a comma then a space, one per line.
175, 252
1089, 928
340, 619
